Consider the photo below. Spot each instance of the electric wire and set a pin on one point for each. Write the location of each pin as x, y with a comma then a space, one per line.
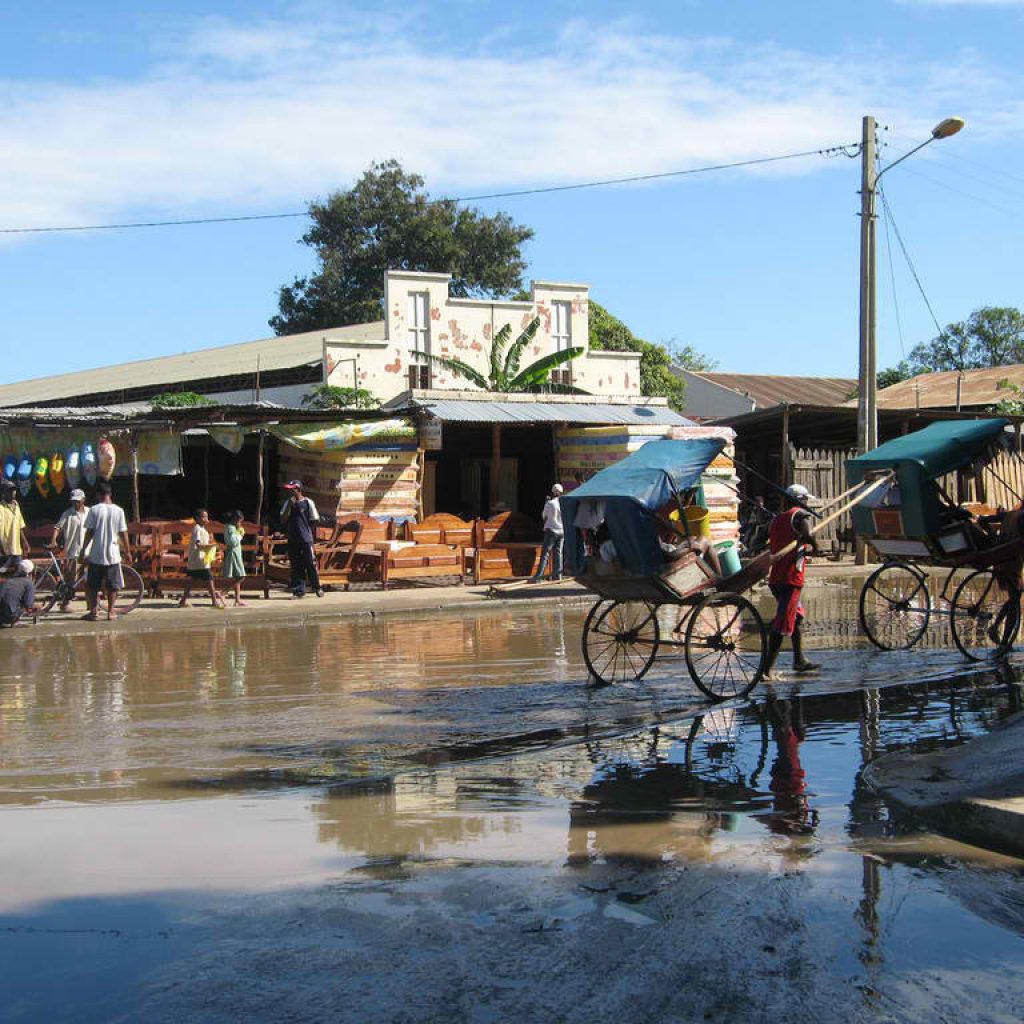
906, 255
892, 279
964, 193
954, 156
827, 151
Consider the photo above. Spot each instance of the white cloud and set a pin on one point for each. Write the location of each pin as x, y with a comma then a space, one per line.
236, 117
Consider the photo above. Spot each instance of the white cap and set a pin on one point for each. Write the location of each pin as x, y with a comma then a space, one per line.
557, 489
78, 494
26, 567
799, 493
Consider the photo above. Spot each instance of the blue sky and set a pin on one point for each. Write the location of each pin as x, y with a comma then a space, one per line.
123, 111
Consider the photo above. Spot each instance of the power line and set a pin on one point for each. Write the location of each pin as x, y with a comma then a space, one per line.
892, 279
906, 256
828, 151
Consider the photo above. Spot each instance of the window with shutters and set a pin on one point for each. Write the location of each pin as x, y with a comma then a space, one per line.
418, 320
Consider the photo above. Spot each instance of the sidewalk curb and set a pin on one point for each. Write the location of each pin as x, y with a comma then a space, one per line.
973, 792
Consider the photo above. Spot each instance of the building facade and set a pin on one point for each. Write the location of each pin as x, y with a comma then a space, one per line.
421, 316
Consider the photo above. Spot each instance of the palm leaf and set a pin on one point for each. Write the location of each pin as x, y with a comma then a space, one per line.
539, 369
497, 347
515, 353
456, 366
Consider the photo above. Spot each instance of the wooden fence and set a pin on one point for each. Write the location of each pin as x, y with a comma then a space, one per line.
823, 472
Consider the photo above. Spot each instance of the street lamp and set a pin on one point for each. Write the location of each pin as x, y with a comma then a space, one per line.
867, 409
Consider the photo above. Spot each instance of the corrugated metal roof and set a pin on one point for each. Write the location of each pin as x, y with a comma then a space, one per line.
278, 353
767, 390
938, 390
595, 413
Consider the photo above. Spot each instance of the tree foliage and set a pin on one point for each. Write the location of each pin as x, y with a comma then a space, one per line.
990, 336
657, 376
503, 365
330, 396
386, 221
893, 375
179, 400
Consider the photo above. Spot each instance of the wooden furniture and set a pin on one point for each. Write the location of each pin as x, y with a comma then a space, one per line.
166, 573
441, 528
506, 546
416, 561
344, 551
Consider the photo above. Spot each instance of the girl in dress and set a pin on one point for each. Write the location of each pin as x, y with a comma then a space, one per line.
233, 568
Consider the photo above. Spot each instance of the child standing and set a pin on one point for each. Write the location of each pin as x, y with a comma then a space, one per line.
233, 568
201, 555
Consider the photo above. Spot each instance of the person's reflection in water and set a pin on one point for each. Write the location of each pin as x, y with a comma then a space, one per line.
791, 813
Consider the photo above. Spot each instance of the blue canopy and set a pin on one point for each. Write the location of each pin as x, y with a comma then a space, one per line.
633, 488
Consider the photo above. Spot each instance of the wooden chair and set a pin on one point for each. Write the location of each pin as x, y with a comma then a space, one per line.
441, 528
337, 552
507, 546
170, 555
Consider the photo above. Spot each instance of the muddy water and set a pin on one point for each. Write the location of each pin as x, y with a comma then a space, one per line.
155, 784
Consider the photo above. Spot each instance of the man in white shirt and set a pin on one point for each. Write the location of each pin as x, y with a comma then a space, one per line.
69, 537
106, 529
553, 535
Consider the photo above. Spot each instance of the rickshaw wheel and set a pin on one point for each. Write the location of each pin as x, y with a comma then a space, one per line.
725, 646
620, 640
895, 606
985, 618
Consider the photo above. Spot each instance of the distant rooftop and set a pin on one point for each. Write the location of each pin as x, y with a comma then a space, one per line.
767, 390
978, 388
233, 367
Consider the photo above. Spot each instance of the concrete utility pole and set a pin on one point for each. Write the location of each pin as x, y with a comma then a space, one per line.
867, 408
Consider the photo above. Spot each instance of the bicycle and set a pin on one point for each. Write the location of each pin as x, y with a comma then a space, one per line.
54, 588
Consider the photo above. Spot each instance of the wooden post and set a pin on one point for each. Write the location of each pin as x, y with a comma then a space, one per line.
259, 479
133, 442
785, 447
495, 466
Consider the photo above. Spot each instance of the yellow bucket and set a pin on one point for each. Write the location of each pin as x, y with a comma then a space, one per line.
698, 522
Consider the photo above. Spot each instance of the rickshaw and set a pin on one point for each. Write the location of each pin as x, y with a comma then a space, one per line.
912, 524
719, 630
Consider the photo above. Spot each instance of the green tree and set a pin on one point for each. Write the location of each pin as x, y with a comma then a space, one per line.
330, 396
386, 221
892, 375
179, 400
658, 363
990, 336
503, 372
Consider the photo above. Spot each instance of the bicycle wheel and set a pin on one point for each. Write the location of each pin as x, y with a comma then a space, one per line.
985, 619
620, 640
129, 597
48, 587
725, 646
895, 606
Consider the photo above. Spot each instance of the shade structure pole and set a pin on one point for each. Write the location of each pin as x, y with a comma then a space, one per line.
133, 442
495, 466
260, 484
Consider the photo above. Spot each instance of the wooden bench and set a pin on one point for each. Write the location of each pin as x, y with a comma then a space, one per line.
421, 560
506, 546
167, 572
339, 549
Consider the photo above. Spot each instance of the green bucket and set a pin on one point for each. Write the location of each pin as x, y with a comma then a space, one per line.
728, 557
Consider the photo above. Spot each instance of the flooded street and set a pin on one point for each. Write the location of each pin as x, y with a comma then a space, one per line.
435, 820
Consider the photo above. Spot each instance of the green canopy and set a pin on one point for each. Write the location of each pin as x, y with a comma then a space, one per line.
919, 459
939, 449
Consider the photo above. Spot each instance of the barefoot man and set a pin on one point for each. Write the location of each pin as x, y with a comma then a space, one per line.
106, 531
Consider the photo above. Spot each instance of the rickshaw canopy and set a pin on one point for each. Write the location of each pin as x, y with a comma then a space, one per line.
630, 491
919, 459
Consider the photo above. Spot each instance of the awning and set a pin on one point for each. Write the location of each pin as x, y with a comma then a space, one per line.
590, 413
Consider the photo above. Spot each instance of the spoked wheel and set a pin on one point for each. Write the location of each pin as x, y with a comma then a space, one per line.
129, 597
48, 588
985, 618
725, 646
895, 606
620, 640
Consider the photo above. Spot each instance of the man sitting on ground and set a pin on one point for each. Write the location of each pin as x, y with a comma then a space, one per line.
17, 595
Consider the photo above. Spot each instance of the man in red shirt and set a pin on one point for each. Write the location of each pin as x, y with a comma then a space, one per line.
790, 529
